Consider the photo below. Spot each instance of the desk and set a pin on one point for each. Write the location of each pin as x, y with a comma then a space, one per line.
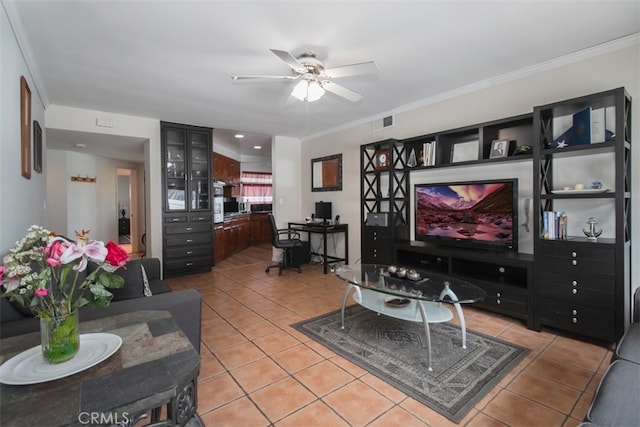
324, 230
155, 366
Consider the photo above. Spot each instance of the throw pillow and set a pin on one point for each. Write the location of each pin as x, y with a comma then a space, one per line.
136, 284
147, 290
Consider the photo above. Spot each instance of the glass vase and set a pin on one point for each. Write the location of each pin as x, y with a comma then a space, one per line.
60, 337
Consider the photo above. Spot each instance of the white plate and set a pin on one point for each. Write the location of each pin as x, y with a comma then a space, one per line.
585, 191
29, 367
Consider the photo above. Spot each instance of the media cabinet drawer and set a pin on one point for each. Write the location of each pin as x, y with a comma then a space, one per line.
504, 299
594, 321
578, 286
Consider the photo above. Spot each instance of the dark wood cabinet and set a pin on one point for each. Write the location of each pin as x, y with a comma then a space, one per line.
228, 170
188, 215
260, 229
583, 285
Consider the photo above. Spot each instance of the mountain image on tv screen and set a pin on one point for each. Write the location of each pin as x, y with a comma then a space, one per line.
479, 211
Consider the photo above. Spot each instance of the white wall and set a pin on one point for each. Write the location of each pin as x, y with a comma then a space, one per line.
500, 98
23, 200
82, 205
60, 117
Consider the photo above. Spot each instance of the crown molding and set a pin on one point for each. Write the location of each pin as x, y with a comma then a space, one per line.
17, 28
581, 55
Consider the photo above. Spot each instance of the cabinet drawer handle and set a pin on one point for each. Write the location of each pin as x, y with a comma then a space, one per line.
189, 240
574, 291
498, 302
574, 283
574, 320
189, 252
175, 219
498, 294
189, 228
574, 312
574, 262
189, 264
574, 254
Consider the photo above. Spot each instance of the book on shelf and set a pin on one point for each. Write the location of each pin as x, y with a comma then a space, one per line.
554, 225
429, 153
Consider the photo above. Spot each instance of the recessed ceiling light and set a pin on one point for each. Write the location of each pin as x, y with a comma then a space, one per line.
239, 135
81, 146
258, 147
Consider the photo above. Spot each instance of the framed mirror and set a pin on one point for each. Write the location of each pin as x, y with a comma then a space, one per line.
326, 173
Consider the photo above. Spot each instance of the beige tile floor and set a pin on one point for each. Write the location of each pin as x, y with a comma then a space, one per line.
258, 371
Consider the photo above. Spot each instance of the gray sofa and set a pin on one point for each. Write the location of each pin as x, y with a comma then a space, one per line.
616, 401
184, 305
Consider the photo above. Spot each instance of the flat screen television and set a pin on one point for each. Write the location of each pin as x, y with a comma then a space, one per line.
323, 211
482, 214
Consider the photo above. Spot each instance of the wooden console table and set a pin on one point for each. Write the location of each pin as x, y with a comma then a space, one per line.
155, 367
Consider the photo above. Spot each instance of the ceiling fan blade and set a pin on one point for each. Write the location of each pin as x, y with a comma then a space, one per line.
265, 77
290, 60
352, 70
342, 91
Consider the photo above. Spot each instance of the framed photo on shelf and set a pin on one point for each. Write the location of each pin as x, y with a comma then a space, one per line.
25, 128
499, 148
465, 151
382, 159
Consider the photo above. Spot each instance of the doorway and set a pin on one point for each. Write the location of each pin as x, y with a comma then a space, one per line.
129, 211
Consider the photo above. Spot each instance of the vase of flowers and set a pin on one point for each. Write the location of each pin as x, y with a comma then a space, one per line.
53, 277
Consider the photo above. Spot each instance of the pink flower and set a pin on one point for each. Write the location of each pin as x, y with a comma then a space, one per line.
41, 292
53, 262
1, 273
56, 248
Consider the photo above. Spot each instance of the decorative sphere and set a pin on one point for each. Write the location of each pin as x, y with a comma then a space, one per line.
413, 275
401, 272
392, 269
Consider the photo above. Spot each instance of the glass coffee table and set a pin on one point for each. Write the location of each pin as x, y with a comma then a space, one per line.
419, 299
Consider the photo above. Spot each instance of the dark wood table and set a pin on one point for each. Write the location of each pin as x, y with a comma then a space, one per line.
156, 367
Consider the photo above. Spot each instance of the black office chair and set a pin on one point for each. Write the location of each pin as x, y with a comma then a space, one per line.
285, 239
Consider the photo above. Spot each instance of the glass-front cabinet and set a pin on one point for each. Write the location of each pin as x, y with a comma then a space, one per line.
187, 198
187, 162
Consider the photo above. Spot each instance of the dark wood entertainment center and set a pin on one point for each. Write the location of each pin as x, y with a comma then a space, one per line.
574, 284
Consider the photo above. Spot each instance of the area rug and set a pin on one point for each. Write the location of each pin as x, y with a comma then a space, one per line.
393, 350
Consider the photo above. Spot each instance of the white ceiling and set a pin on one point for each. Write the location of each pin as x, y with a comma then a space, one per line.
172, 60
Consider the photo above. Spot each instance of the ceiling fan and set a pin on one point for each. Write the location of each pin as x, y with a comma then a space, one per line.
314, 78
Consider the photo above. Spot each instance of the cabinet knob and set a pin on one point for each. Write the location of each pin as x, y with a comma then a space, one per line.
189, 264
574, 282
574, 262
189, 240
175, 219
189, 228
574, 254
574, 320
574, 312
189, 252
498, 302
498, 294
574, 291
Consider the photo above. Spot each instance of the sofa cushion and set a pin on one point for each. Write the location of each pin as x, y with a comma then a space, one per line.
629, 346
616, 400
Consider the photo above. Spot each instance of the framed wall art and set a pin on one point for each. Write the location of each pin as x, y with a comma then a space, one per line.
37, 147
465, 151
25, 128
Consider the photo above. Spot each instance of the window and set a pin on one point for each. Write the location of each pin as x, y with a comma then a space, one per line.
257, 187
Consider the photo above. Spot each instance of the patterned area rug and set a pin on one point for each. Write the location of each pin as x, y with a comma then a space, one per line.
393, 350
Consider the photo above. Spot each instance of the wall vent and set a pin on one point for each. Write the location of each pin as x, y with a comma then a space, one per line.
385, 122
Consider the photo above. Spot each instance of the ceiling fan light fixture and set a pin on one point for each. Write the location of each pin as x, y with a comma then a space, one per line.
308, 90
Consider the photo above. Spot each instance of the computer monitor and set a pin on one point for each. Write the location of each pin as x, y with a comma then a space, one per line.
323, 211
